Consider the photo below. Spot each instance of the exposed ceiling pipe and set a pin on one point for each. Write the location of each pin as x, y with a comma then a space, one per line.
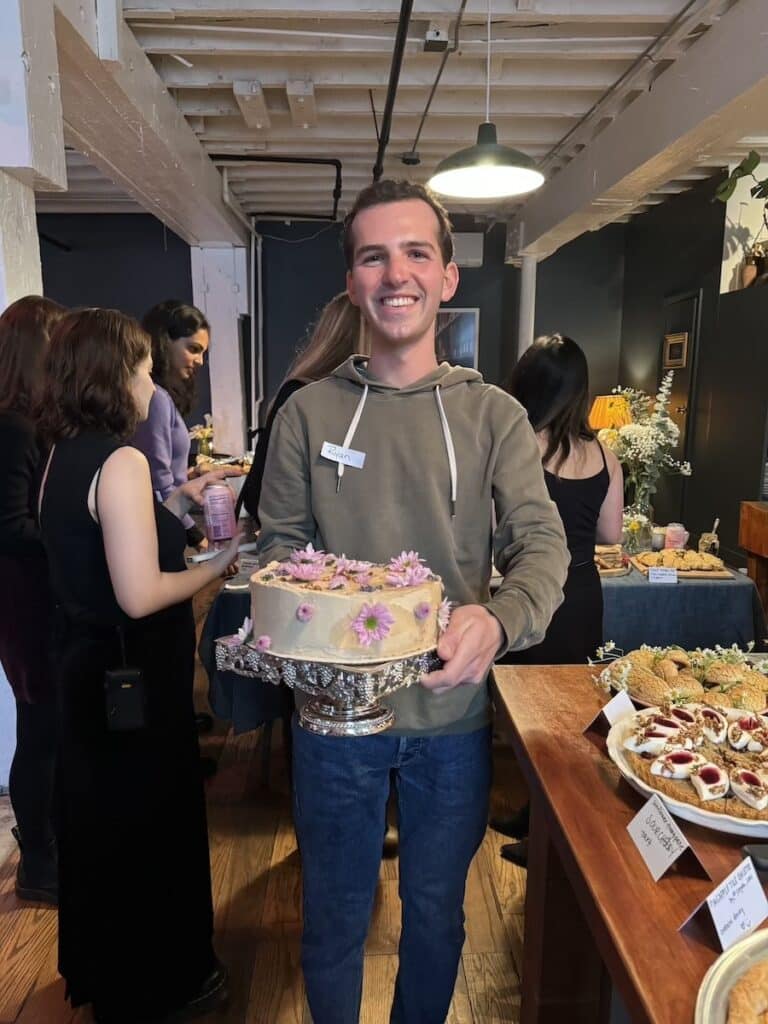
406, 8
257, 158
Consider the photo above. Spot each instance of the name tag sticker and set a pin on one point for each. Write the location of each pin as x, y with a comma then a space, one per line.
346, 456
662, 574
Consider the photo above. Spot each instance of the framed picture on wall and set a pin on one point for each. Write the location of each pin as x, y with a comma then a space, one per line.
675, 354
456, 337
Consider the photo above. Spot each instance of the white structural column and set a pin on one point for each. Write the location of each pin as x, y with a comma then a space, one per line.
220, 290
20, 272
527, 311
31, 138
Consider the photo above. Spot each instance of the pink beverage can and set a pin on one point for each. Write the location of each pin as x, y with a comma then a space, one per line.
219, 513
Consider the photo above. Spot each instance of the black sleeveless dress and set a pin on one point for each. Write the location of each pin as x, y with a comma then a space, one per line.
576, 629
135, 909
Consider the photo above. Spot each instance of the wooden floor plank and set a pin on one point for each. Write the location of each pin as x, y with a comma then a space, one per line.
494, 988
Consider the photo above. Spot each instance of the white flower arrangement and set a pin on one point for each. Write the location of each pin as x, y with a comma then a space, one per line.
645, 446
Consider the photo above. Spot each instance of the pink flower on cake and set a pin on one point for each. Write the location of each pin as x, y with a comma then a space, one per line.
410, 577
263, 643
351, 565
405, 560
444, 615
362, 579
307, 571
374, 622
336, 582
308, 555
421, 611
305, 611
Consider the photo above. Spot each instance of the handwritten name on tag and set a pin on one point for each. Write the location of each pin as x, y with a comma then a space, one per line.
662, 574
657, 837
738, 905
346, 456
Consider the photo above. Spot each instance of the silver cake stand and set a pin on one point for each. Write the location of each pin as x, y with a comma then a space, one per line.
345, 698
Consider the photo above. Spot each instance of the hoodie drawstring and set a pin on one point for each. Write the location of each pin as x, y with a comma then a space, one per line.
350, 434
449, 448
451, 451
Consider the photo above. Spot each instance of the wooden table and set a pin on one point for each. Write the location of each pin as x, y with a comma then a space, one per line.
593, 914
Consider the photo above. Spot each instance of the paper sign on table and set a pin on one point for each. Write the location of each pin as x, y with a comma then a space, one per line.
738, 905
662, 574
612, 712
657, 837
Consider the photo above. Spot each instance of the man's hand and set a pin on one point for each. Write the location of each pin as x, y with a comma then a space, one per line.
468, 648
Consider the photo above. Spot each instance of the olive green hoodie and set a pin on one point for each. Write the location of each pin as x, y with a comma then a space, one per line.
440, 454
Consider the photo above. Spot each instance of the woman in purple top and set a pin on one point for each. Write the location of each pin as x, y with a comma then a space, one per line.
180, 338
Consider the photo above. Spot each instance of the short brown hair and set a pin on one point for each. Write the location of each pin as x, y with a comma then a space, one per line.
390, 190
92, 356
25, 330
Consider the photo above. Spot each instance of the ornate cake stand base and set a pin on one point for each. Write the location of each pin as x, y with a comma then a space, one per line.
345, 699
332, 720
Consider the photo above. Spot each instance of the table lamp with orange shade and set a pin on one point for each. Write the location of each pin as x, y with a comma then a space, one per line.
610, 411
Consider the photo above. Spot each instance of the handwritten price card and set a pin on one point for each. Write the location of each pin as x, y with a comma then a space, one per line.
738, 905
657, 837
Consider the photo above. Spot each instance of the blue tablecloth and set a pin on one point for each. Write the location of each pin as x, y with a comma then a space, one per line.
691, 613
246, 702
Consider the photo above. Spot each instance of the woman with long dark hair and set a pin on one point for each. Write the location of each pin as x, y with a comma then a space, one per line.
25, 603
585, 481
135, 908
180, 337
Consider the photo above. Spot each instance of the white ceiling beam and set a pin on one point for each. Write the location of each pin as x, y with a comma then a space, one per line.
714, 94
249, 98
221, 103
301, 101
355, 73
194, 40
524, 131
627, 11
122, 118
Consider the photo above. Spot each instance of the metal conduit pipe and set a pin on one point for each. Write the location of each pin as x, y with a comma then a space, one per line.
406, 7
257, 158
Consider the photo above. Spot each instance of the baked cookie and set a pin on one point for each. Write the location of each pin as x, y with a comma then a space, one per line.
723, 672
748, 999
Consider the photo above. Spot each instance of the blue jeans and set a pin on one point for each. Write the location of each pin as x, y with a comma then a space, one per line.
341, 788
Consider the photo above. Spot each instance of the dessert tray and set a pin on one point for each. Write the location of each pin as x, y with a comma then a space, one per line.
712, 1004
674, 750
724, 677
345, 698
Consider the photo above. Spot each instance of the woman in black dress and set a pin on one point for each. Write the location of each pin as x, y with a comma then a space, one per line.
25, 602
584, 479
135, 910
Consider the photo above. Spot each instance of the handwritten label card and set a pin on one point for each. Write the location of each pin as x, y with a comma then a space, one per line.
662, 574
738, 905
657, 837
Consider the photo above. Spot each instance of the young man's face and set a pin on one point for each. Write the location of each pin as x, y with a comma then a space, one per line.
398, 278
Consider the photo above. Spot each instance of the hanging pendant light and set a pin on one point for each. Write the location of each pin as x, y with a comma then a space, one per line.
486, 170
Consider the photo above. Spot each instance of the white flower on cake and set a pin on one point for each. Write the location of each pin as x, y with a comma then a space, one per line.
245, 630
444, 614
373, 622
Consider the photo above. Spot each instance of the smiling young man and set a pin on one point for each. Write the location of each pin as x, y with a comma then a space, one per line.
442, 448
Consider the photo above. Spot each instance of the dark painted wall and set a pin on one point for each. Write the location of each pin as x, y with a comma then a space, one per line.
118, 261
579, 292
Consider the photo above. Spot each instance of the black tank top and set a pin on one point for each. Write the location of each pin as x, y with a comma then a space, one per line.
579, 503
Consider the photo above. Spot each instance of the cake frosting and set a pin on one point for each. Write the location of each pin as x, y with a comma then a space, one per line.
316, 606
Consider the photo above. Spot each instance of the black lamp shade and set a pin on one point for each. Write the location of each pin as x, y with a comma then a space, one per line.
486, 170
